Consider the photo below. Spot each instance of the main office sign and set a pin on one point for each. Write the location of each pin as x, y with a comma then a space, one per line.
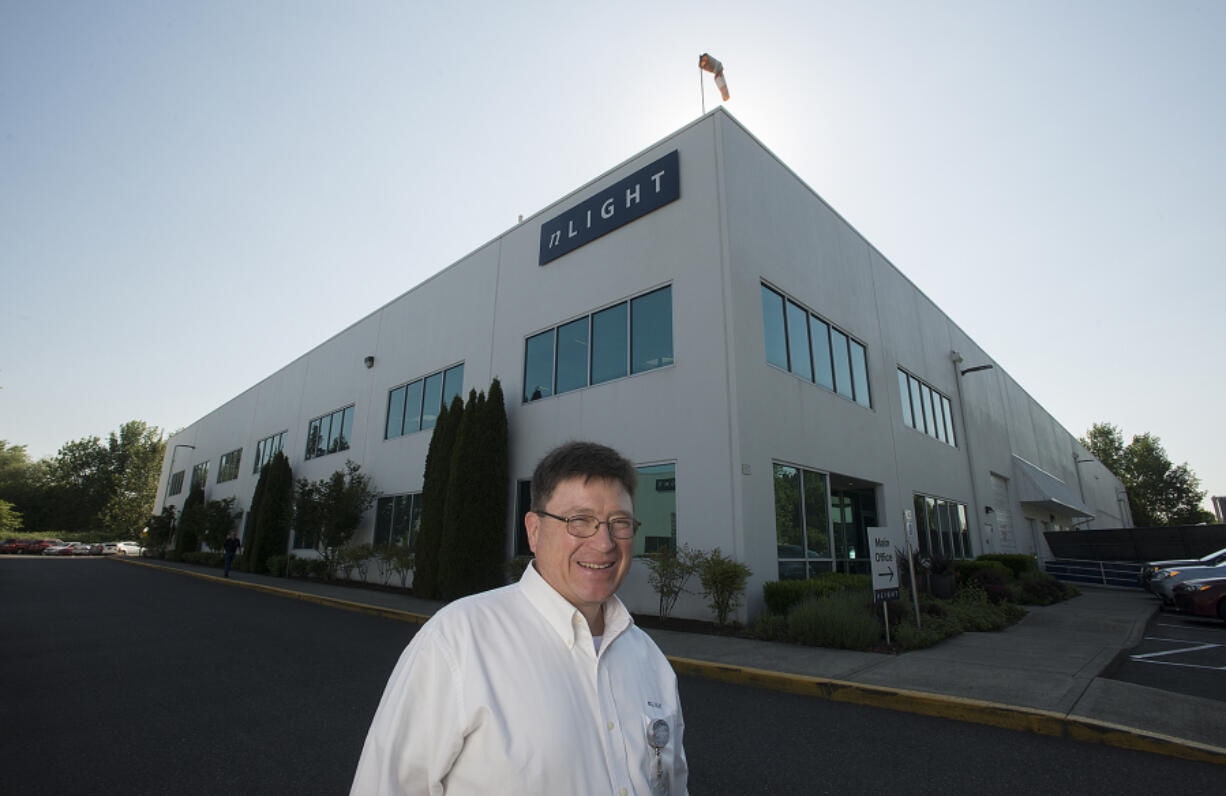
626, 200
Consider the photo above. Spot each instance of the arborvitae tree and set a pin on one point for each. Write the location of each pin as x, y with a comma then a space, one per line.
253, 521
161, 529
219, 519
276, 513
454, 567
434, 499
491, 526
191, 522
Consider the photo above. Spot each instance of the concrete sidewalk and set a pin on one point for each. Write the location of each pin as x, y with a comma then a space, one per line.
1041, 675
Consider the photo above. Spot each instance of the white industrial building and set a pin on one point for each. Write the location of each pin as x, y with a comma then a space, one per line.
700, 308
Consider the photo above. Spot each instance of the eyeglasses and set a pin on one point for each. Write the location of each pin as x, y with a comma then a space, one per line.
585, 525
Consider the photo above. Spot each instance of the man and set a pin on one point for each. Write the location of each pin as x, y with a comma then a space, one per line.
231, 546
545, 686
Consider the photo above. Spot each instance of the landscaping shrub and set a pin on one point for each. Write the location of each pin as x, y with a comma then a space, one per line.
966, 569
1039, 588
781, 595
296, 567
204, 559
842, 620
318, 568
994, 582
723, 583
1016, 563
768, 627
668, 572
276, 565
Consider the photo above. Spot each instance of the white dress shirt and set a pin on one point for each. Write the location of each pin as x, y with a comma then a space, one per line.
504, 692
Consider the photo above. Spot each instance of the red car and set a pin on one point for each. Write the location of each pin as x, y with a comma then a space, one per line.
1202, 597
12, 546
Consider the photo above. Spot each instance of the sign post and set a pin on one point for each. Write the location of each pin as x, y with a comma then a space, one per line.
885, 572
911, 538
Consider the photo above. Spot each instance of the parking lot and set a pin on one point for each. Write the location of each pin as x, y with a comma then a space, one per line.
1186, 655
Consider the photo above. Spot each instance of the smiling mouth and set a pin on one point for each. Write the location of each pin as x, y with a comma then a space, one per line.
595, 566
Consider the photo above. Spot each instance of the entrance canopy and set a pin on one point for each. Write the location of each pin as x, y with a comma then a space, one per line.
1043, 490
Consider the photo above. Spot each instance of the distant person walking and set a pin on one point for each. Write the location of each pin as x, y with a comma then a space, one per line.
231, 546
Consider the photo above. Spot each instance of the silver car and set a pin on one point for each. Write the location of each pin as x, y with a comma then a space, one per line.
1163, 584
1151, 568
130, 549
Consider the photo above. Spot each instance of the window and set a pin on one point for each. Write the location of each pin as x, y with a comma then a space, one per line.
176, 483
200, 475
630, 337
655, 506
802, 522
329, 433
397, 519
415, 406
941, 527
924, 409
265, 449
227, 467
804, 344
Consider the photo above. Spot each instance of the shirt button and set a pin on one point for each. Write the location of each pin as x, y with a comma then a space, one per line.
623, 792
570, 643
610, 725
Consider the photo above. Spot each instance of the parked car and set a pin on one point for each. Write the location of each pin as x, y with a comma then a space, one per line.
1151, 568
36, 546
58, 548
1165, 581
130, 549
13, 546
1202, 597
110, 548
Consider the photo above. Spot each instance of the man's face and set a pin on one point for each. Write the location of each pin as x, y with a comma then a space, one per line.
584, 571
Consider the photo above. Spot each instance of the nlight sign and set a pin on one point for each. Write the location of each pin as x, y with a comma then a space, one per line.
647, 189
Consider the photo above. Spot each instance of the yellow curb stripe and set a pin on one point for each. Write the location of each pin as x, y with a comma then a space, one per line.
1009, 717
335, 602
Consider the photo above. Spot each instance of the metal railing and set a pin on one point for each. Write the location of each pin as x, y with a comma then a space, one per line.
1121, 574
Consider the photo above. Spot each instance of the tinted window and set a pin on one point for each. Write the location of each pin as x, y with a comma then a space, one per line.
773, 328
538, 366
820, 334
412, 407
609, 338
431, 400
453, 383
798, 341
859, 372
651, 330
905, 394
572, 355
395, 414
842, 368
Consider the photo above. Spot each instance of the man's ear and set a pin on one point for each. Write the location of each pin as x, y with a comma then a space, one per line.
532, 523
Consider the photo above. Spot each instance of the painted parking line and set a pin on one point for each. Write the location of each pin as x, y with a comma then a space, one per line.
1152, 657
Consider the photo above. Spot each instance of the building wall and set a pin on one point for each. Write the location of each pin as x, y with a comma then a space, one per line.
720, 412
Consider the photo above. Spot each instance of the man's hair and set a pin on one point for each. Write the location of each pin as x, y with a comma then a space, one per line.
586, 460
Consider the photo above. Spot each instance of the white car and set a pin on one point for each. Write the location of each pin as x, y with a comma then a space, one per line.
110, 548
1165, 581
130, 549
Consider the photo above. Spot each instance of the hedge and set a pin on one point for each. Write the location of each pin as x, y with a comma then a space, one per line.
1016, 562
781, 595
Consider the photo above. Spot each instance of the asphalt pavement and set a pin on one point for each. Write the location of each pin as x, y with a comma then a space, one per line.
1048, 674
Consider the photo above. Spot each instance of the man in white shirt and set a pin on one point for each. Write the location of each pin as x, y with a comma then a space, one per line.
545, 686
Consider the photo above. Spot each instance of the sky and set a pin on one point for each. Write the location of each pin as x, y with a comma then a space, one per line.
192, 195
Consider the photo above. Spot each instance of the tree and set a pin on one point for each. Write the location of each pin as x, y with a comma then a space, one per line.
191, 522
220, 517
473, 550
161, 530
1159, 493
668, 572
10, 518
331, 509
135, 463
81, 483
272, 509
435, 481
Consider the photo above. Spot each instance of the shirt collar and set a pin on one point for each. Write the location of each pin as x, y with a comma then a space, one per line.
565, 619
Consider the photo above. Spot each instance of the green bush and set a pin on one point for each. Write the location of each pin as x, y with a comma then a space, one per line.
768, 627
781, 595
1039, 588
967, 569
668, 572
1016, 563
723, 583
296, 567
204, 559
843, 620
318, 568
276, 564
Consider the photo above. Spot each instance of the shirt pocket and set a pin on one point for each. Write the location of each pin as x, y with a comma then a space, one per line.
659, 730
